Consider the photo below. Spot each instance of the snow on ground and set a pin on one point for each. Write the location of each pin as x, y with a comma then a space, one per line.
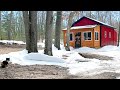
11, 42
71, 59
111, 51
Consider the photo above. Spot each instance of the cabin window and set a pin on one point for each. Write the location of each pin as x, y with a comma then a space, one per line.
109, 34
87, 35
96, 35
105, 34
71, 38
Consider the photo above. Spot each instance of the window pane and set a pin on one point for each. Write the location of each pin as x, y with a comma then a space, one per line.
70, 37
89, 35
96, 35
85, 36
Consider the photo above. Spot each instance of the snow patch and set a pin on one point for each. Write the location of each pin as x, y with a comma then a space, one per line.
12, 42
42, 57
70, 59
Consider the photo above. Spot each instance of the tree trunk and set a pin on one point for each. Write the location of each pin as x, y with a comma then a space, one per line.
90, 14
68, 30
27, 32
10, 29
22, 28
39, 27
119, 33
58, 30
48, 33
119, 29
33, 30
0, 27
110, 18
30, 21
43, 26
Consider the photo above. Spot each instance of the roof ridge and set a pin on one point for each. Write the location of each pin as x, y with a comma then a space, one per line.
100, 22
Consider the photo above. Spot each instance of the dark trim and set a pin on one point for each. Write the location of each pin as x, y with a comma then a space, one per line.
100, 35
92, 20
118, 37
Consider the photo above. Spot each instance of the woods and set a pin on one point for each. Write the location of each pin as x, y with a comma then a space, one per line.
42, 26
60, 44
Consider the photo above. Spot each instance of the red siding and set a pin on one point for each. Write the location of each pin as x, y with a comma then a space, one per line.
107, 40
115, 38
85, 21
104, 41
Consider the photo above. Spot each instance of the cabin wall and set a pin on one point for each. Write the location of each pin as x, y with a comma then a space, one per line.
84, 43
115, 38
97, 42
72, 43
107, 40
64, 36
87, 43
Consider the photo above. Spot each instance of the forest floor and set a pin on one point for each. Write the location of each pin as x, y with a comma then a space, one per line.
15, 71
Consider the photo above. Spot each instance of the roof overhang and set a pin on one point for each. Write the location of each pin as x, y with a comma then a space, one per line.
81, 27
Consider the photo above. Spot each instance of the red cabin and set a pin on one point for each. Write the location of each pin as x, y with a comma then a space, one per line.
99, 33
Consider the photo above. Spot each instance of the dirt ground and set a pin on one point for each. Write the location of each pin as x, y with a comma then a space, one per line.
15, 71
100, 57
5, 49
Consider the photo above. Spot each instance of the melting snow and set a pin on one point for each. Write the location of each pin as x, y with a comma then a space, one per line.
70, 59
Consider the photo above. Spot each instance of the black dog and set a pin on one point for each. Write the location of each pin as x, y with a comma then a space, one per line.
5, 63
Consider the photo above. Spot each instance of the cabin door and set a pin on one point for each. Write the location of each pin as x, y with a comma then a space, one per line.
78, 40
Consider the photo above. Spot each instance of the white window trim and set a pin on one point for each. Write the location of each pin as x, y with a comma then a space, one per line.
98, 35
106, 34
109, 34
84, 38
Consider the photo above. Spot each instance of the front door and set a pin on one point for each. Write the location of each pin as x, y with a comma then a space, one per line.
78, 40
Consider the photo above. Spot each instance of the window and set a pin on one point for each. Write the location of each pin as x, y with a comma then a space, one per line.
87, 35
96, 35
105, 34
109, 34
71, 37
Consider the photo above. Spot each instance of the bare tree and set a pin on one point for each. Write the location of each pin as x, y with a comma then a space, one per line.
58, 30
68, 30
0, 27
119, 29
10, 29
41, 25
30, 21
110, 17
48, 33
26, 23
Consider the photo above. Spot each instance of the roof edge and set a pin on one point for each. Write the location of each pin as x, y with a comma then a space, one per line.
101, 23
